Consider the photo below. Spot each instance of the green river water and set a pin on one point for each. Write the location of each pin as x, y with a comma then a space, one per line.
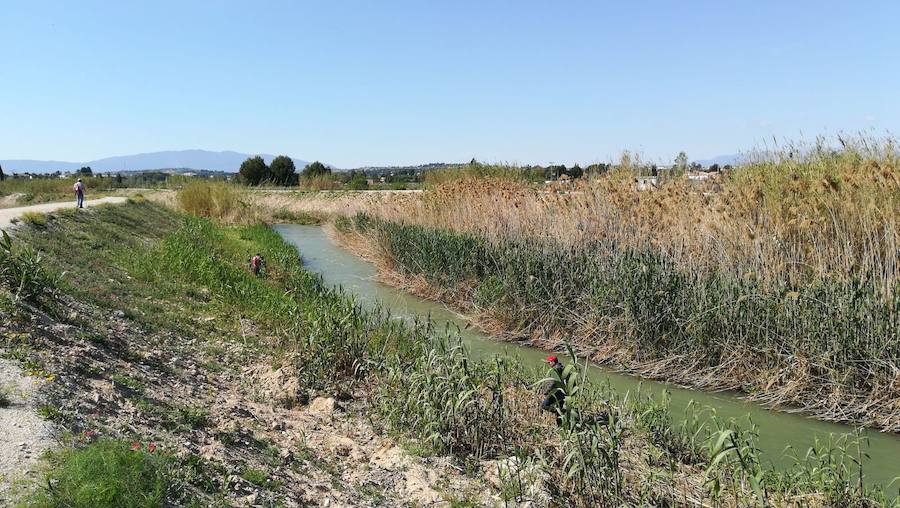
777, 429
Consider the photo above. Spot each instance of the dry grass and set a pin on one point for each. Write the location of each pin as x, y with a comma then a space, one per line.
834, 214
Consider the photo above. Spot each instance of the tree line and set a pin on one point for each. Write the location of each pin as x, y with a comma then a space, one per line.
282, 171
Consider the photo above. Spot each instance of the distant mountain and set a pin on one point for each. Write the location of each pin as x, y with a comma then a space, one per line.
185, 159
722, 160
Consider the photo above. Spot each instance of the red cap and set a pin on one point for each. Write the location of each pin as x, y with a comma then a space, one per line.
551, 358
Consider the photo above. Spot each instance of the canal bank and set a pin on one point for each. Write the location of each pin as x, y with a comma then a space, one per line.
780, 431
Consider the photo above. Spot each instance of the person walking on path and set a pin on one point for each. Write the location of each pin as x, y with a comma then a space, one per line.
79, 193
555, 389
256, 264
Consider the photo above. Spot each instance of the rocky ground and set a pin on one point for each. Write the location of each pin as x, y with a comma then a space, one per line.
238, 427
25, 435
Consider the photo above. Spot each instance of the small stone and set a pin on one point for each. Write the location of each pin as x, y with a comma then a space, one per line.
322, 405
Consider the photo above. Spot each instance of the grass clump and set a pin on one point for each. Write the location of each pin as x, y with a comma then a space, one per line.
191, 417
35, 219
209, 199
23, 274
5, 396
260, 478
107, 473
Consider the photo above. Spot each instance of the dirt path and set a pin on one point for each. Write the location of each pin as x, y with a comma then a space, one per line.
25, 435
8, 214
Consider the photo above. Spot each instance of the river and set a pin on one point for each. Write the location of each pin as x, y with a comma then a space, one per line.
777, 429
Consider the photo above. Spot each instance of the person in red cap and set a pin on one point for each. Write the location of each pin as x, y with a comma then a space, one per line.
555, 390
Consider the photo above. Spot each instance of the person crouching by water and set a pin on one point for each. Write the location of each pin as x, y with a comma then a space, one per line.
555, 389
79, 193
256, 264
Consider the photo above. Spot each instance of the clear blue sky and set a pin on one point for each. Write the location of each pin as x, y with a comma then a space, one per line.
364, 83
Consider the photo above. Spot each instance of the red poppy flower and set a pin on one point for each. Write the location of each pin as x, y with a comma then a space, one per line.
152, 447
135, 446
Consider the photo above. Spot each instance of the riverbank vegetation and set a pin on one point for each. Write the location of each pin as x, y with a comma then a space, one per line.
165, 271
778, 278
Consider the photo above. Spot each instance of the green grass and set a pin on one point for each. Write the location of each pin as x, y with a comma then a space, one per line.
107, 473
260, 478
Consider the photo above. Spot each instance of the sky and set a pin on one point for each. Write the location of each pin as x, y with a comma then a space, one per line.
407, 82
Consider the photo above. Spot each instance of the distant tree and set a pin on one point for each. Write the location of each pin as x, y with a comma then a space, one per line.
86, 171
556, 171
696, 167
315, 169
253, 171
576, 171
597, 169
2, 176
358, 182
118, 179
282, 170
726, 167
714, 168
654, 171
681, 163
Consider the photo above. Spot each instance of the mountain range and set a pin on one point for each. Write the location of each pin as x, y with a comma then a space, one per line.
722, 160
173, 159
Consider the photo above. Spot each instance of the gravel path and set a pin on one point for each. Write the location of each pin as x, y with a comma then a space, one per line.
24, 435
8, 214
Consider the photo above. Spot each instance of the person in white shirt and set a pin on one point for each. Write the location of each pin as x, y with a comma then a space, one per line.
79, 193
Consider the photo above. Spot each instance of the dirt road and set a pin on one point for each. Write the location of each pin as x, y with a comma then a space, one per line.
8, 214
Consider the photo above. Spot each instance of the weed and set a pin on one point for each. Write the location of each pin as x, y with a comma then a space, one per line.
51, 413
260, 478
130, 383
213, 367
22, 272
374, 493
191, 417
5, 396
